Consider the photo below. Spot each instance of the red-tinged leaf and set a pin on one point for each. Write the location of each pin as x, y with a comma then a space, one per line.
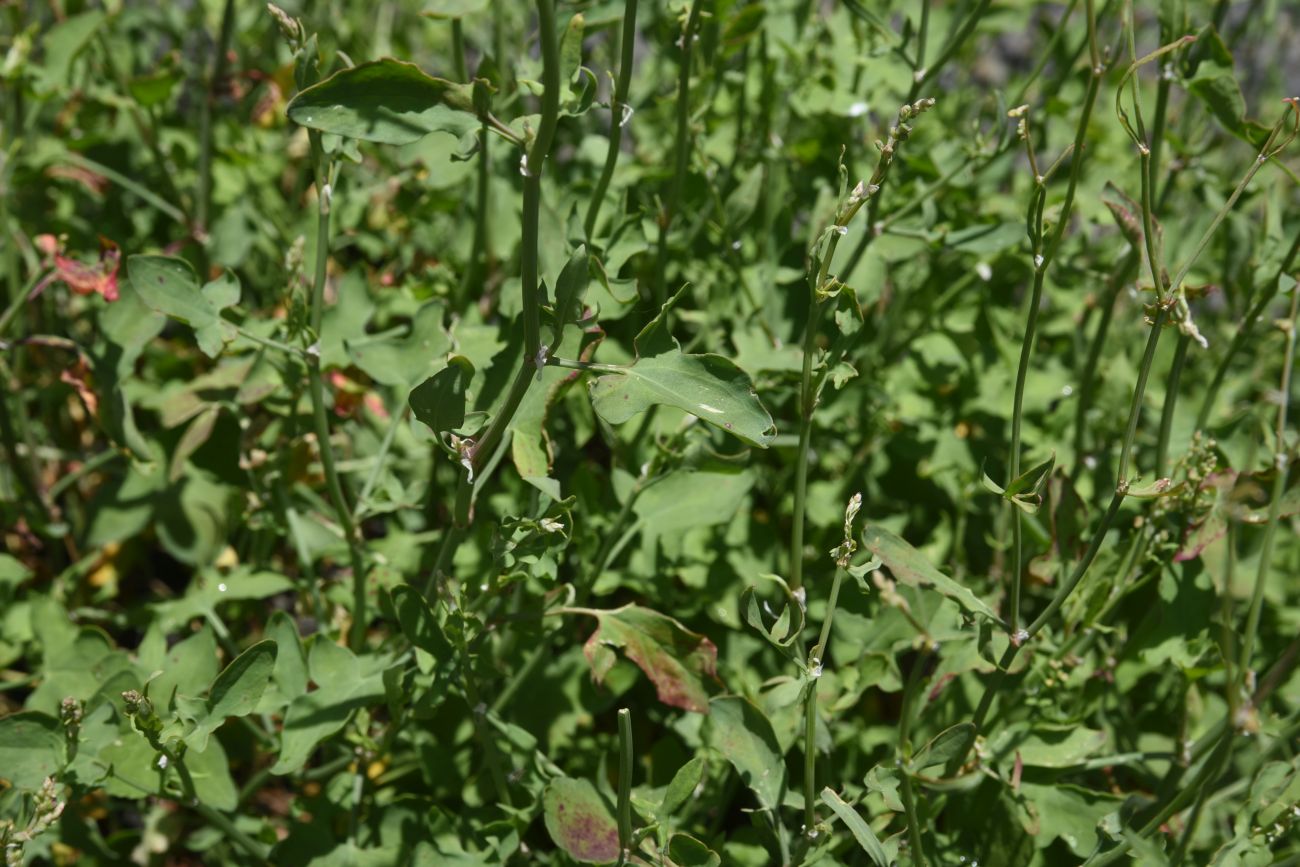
99, 278
677, 660
580, 821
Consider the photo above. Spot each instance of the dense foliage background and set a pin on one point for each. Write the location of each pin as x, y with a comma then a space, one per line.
371, 438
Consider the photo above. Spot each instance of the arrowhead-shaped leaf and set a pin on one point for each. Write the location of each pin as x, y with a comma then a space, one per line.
170, 286
709, 387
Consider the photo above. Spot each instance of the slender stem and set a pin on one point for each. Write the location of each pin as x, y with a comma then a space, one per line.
144, 125
625, 781
810, 758
1280, 462
458, 50
967, 27
320, 421
1043, 257
617, 104
681, 152
816, 660
532, 168
905, 755
909, 806
1171, 401
86, 468
1243, 334
208, 102
1208, 771
128, 184
807, 404
385, 446
1094, 546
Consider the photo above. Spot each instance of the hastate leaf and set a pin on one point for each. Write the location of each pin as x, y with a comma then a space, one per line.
677, 660
709, 387
170, 286
386, 101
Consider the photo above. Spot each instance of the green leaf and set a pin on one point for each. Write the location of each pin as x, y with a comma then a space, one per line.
12, 572
289, 680
1047, 747
944, 746
680, 789
31, 749
453, 8
62, 43
570, 288
743, 735
236, 691
170, 286
386, 101
239, 687
782, 632
419, 624
407, 359
675, 659
440, 400
709, 387
580, 821
692, 498
909, 566
345, 686
210, 770
686, 851
862, 832
1068, 812
188, 668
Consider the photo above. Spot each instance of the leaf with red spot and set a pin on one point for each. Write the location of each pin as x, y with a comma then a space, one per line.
676, 659
580, 821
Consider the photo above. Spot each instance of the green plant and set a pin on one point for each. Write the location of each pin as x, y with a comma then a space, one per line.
426, 425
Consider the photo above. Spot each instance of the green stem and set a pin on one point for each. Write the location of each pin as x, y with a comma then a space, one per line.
1081, 568
218, 72
385, 447
807, 404
320, 421
532, 167
922, 76
1280, 461
458, 50
913, 819
1243, 334
625, 781
1207, 773
145, 127
617, 104
1043, 257
1171, 401
681, 153
810, 759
